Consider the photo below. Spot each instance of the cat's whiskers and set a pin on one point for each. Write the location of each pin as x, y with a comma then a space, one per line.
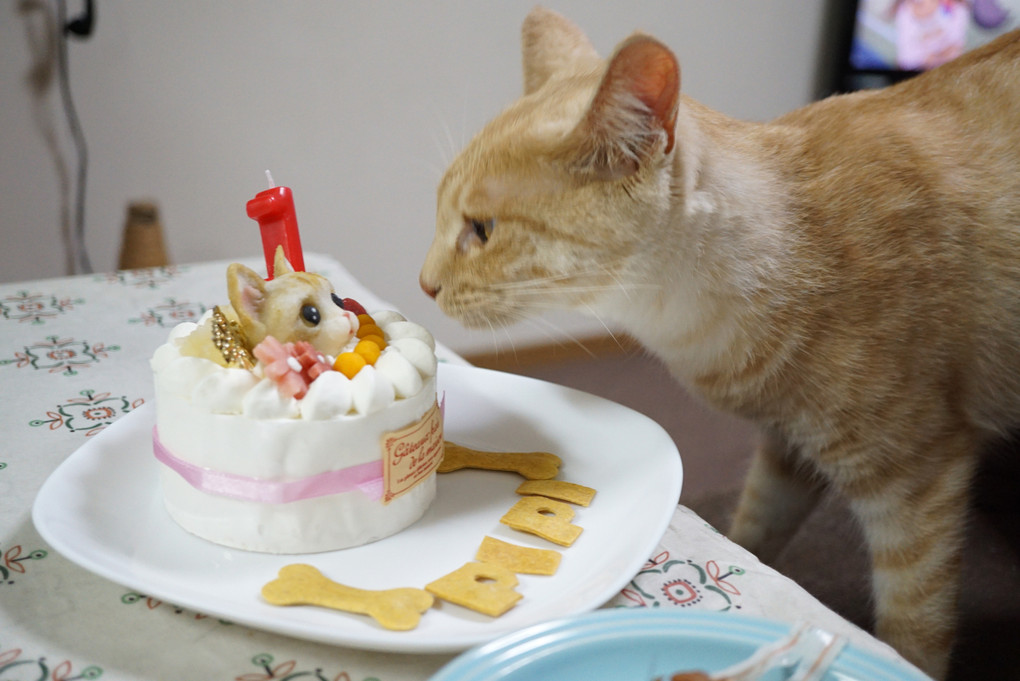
510, 341
554, 332
552, 284
592, 313
557, 334
531, 293
434, 172
451, 149
625, 287
495, 330
552, 278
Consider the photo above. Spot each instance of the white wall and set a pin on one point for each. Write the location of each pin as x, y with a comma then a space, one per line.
356, 106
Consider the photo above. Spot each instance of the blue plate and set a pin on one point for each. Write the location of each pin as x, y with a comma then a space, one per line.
640, 644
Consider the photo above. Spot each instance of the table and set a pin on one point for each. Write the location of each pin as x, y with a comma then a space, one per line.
74, 358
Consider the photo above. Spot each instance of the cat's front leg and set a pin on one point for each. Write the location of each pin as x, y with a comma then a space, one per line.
914, 525
779, 492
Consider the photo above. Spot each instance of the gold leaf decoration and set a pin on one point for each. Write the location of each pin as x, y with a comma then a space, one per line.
228, 337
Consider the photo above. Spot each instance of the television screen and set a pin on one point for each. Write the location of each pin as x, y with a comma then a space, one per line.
916, 35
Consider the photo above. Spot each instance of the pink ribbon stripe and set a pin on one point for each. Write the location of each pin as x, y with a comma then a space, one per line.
366, 478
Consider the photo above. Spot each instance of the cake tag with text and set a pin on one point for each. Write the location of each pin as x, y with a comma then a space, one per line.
412, 454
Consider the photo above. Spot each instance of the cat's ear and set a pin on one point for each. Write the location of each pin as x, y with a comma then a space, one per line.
247, 293
633, 112
551, 44
281, 265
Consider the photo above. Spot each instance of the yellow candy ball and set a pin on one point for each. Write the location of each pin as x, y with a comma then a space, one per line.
349, 363
378, 340
369, 350
369, 330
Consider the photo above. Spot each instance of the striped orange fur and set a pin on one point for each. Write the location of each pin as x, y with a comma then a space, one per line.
847, 276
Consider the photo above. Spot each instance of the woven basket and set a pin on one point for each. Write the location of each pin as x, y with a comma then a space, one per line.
142, 244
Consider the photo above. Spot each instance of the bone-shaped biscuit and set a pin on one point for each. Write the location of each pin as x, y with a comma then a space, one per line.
531, 465
298, 584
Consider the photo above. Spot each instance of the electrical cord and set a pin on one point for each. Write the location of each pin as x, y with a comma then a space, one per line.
82, 26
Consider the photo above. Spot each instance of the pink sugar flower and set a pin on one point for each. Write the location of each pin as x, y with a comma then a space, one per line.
312, 362
292, 366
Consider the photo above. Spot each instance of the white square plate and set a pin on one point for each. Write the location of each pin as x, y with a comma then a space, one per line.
102, 509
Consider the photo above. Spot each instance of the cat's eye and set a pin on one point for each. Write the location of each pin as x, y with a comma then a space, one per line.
476, 232
310, 314
338, 300
483, 228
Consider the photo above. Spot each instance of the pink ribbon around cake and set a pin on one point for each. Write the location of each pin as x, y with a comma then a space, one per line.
366, 478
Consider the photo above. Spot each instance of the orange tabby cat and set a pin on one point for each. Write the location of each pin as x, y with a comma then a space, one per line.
847, 276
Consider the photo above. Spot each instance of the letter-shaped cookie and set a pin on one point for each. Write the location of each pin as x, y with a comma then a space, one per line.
543, 517
482, 587
523, 560
558, 489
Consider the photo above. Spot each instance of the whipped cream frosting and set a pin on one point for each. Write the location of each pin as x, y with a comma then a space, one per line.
408, 360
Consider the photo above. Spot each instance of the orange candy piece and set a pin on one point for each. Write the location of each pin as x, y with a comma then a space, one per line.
366, 352
369, 330
349, 363
378, 340
369, 350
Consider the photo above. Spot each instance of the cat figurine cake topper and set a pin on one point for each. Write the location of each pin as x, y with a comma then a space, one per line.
846, 277
293, 306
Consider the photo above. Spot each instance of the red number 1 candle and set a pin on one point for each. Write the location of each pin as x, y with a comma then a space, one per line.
274, 211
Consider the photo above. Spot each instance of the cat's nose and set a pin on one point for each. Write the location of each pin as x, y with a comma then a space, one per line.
430, 291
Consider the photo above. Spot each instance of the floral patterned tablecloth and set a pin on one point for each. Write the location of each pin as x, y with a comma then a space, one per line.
74, 358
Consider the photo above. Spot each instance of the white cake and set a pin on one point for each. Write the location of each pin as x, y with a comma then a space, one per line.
350, 462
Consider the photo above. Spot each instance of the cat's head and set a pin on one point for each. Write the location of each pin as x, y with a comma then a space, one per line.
545, 206
293, 306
